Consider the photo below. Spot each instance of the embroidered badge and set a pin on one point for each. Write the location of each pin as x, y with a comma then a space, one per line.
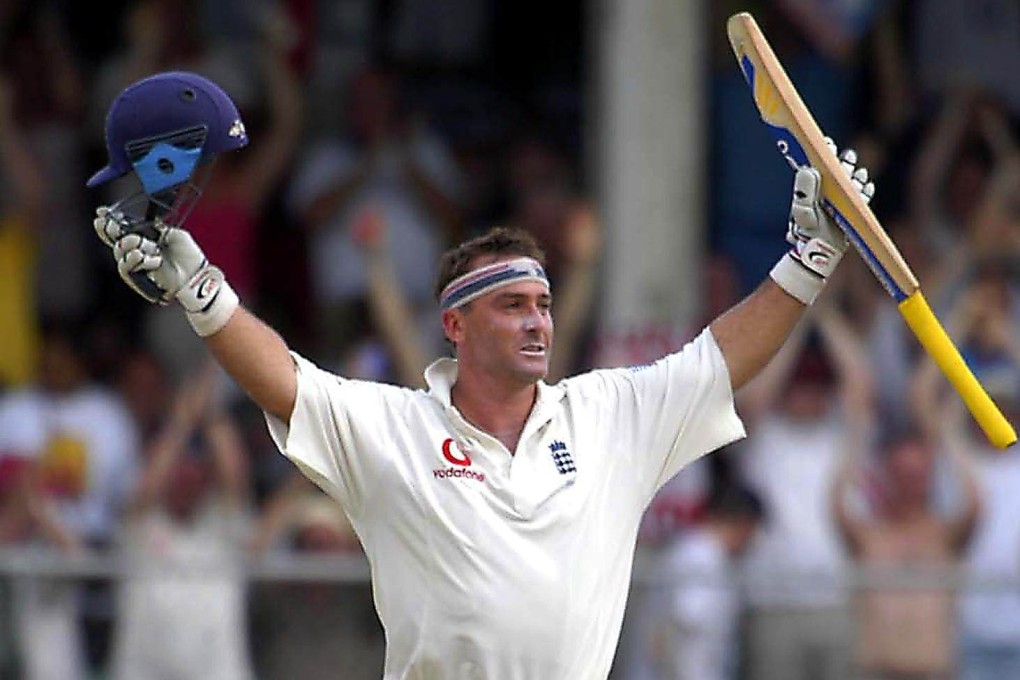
562, 458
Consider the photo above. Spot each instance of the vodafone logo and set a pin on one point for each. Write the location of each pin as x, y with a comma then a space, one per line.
452, 455
462, 461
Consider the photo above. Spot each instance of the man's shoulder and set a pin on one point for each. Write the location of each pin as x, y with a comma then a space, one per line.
356, 392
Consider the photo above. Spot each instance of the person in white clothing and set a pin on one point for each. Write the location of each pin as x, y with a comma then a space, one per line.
498, 513
181, 607
703, 613
79, 443
810, 405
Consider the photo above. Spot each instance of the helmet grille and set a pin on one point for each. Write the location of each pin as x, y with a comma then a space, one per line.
189, 138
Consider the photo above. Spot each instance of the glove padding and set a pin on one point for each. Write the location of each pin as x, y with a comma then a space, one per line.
156, 270
172, 267
818, 243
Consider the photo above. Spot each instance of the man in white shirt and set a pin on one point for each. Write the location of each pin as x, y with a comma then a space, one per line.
499, 514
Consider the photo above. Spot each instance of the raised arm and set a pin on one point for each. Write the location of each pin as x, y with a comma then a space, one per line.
227, 449
275, 519
854, 373
272, 154
390, 308
577, 290
961, 527
935, 158
852, 529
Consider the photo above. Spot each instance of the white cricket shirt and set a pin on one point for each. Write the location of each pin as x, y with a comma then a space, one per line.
498, 566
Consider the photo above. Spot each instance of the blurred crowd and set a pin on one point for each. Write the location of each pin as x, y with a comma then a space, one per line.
829, 544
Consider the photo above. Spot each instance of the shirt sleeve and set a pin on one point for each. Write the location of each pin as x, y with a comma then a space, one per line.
670, 413
331, 415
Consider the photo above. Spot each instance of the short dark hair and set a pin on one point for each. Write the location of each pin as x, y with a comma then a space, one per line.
895, 432
458, 260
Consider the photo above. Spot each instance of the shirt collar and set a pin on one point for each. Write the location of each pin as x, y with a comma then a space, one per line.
442, 374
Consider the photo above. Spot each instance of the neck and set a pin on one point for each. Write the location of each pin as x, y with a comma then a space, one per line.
497, 409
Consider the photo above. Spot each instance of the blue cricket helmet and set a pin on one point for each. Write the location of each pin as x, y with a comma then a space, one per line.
163, 126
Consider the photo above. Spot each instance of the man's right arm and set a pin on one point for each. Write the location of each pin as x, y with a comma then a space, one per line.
258, 359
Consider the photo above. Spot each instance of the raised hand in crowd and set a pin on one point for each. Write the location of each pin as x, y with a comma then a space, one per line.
196, 419
582, 249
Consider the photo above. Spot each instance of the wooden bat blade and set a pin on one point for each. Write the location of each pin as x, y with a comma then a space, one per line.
801, 142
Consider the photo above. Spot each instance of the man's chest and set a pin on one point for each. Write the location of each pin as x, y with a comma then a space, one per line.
449, 468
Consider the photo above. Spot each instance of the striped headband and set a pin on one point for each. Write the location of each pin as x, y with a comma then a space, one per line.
478, 282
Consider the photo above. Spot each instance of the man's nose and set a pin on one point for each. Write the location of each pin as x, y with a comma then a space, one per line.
535, 318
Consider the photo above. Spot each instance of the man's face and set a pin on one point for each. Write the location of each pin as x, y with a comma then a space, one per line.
506, 334
910, 469
807, 402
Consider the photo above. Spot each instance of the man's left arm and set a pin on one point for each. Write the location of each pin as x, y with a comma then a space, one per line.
750, 333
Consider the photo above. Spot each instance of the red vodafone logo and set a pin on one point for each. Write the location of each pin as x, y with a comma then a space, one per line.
454, 455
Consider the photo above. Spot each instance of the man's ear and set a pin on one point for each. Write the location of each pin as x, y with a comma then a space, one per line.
453, 325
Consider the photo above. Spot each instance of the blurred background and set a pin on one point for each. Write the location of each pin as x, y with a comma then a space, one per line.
864, 529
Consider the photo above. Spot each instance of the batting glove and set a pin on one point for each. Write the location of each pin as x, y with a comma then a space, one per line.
818, 243
168, 268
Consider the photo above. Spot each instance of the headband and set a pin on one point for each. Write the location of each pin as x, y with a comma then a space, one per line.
478, 282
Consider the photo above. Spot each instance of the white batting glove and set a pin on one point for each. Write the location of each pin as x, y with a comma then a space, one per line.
172, 267
818, 243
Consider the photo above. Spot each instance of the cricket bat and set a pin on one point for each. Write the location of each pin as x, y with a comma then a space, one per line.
801, 142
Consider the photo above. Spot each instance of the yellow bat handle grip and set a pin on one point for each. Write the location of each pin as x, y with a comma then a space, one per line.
940, 348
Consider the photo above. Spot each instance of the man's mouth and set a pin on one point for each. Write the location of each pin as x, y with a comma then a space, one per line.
533, 349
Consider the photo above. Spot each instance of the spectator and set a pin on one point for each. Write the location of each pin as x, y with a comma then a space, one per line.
182, 605
26, 516
145, 388
905, 633
540, 194
704, 611
389, 161
988, 314
806, 409
82, 443
964, 181
314, 631
48, 101
989, 614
